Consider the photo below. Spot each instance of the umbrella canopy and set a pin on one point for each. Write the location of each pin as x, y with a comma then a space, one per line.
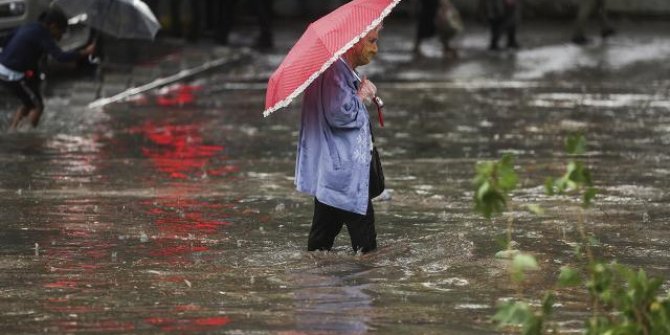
320, 45
118, 18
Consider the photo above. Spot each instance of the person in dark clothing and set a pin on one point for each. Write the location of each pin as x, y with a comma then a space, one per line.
503, 17
19, 61
335, 150
264, 13
441, 18
426, 22
586, 9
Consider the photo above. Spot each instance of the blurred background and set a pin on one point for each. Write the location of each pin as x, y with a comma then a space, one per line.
202, 17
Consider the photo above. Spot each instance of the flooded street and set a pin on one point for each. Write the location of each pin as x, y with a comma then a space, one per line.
176, 212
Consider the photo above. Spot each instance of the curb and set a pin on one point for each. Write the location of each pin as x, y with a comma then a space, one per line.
232, 58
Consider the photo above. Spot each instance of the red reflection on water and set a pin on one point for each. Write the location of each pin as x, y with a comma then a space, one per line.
183, 216
79, 262
175, 215
212, 321
89, 247
179, 152
177, 95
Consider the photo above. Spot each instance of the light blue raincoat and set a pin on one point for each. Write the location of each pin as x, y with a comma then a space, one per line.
334, 147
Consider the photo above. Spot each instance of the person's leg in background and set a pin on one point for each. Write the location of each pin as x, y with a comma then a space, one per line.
28, 91
583, 13
606, 29
20, 113
195, 22
264, 12
425, 23
511, 21
511, 37
34, 84
226, 20
448, 51
175, 18
495, 25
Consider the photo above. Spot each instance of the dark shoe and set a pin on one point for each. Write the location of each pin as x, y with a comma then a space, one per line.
513, 45
607, 32
494, 47
580, 40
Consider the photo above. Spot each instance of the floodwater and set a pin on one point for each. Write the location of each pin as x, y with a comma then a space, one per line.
176, 212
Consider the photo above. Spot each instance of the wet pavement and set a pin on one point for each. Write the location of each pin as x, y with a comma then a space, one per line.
175, 212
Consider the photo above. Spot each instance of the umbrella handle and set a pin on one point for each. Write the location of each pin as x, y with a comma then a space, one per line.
380, 108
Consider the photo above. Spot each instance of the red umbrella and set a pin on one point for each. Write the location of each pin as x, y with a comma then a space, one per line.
320, 45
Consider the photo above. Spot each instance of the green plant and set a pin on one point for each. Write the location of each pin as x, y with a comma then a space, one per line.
493, 180
577, 176
623, 301
519, 314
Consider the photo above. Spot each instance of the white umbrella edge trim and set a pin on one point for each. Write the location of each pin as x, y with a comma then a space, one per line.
326, 65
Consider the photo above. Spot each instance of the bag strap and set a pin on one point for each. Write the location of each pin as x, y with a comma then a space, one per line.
371, 133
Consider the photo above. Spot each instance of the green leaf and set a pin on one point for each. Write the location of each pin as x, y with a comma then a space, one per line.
589, 195
492, 202
525, 262
522, 263
512, 313
549, 186
483, 190
548, 303
564, 184
533, 326
507, 178
575, 144
569, 277
502, 240
485, 168
493, 181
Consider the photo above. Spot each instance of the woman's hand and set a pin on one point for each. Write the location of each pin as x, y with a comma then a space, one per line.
367, 90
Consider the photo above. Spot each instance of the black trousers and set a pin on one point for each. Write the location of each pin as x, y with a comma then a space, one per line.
328, 221
504, 25
426, 20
